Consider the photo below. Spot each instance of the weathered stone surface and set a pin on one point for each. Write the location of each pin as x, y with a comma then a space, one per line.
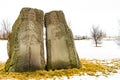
25, 44
61, 53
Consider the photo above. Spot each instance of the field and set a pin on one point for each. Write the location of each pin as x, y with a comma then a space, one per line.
98, 63
107, 50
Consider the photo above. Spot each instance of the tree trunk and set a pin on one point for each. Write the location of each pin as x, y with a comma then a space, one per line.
96, 43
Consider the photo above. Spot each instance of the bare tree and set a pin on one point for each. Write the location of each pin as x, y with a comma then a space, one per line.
5, 29
97, 35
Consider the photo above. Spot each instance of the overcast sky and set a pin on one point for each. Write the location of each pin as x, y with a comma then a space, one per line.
80, 14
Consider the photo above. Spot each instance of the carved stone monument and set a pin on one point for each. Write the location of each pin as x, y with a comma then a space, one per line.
61, 53
25, 44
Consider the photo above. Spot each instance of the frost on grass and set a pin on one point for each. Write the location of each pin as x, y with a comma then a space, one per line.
90, 67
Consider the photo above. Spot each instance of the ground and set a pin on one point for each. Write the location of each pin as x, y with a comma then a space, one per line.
99, 63
107, 50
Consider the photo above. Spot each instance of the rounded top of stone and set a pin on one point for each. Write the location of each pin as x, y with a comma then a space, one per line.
55, 17
54, 11
28, 8
33, 14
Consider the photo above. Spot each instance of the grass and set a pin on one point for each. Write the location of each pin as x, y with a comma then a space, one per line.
90, 67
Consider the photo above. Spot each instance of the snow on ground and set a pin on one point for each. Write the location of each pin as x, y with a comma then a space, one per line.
85, 48
3, 51
108, 50
115, 76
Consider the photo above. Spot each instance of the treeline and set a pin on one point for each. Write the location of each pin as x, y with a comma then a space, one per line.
78, 37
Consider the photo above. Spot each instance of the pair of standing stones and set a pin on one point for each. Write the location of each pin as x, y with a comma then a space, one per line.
26, 47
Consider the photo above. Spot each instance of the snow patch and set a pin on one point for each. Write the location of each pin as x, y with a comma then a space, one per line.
3, 51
